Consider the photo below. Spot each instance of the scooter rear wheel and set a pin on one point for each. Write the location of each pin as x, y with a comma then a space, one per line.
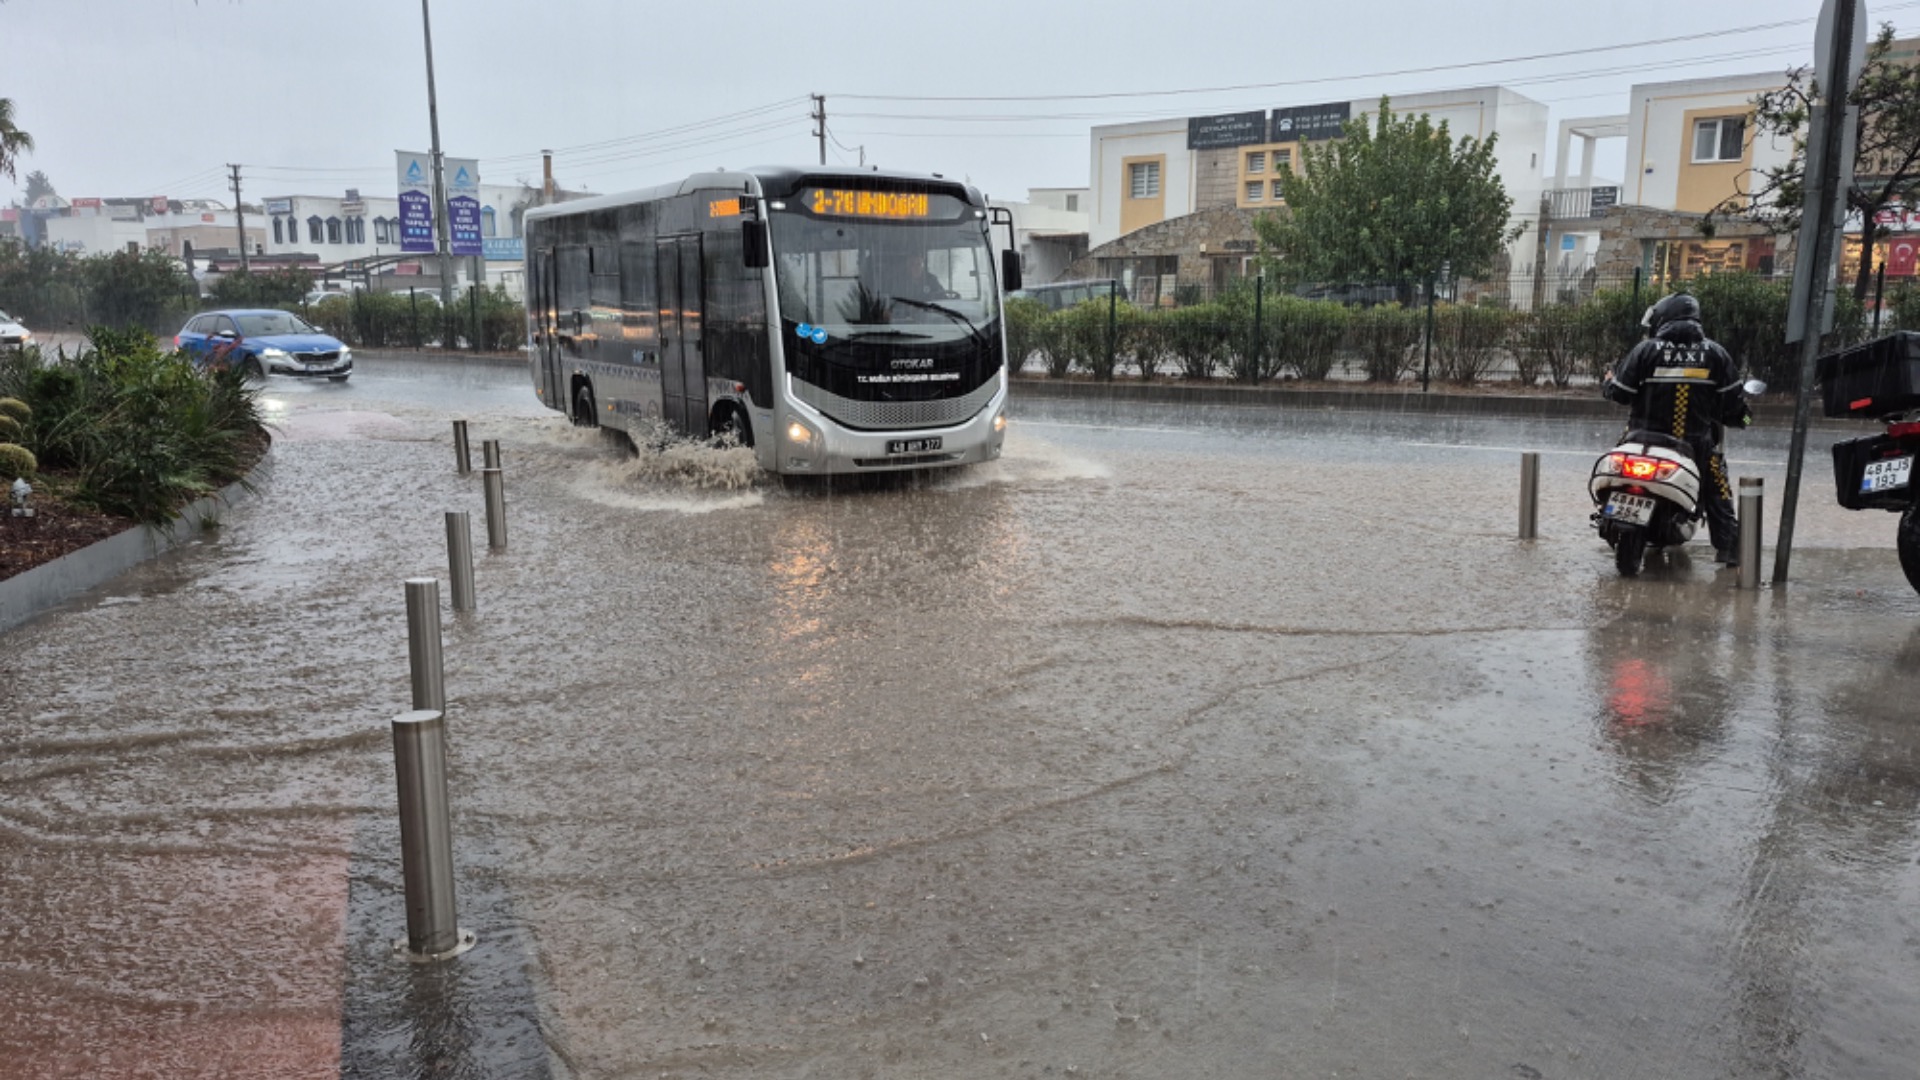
1630, 552
1909, 545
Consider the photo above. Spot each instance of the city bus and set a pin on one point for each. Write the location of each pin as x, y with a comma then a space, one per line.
833, 321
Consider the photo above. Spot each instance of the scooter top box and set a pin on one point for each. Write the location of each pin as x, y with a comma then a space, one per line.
1873, 379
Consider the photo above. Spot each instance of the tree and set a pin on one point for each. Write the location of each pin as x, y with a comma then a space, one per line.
13, 141
279, 287
38, 186
1397, 202
1886, 160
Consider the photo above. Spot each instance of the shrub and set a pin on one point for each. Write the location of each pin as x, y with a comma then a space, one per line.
1198, 338
10, 429
1081, 336
141, 431
278, 287
1549, 341
16, 462
1605, 328
16, 408
1384, 335
1304, 335
1466, 340
1027, 320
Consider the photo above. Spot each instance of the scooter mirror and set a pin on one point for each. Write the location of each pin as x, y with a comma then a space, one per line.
1754, 387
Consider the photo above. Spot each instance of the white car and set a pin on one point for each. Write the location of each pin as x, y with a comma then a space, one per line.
12, 333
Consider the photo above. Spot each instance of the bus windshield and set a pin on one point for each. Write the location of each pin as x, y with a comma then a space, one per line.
915, 277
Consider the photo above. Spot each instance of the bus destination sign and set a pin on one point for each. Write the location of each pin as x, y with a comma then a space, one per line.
839, 202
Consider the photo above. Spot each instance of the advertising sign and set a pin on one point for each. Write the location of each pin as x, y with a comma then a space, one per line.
1231, 129
279, 206
84, 204
159, 204
504, 249
1601, 200
416, 200
1309, 122
463, 204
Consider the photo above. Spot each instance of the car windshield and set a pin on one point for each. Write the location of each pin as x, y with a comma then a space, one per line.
4, 317
266, 323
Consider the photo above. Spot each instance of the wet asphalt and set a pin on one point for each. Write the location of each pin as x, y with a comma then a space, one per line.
1184, 741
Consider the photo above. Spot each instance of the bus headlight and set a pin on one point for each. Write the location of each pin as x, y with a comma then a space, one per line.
999, 423
801, 435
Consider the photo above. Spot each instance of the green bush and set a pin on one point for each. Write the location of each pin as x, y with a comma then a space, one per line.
10, 429
279, 287
148, 291
1548, 343
1384, 336
1467, 339
1605, 328
1081, 335
1304, 335
380, 320
136, 431
16, 462
16, 408
1027, 320
1198, 338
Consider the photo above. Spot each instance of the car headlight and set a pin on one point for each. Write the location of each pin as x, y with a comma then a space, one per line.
346, 354
271, 353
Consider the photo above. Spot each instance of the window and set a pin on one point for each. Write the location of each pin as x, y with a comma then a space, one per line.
1073, 204
379, 230
1257, 161
1277, 197
276, 230
1143, 180
313, 229
488, 226
1722, 138
1256, 190
333, 230
1283, 161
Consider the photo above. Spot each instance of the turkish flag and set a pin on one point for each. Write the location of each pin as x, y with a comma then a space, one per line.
1902, 253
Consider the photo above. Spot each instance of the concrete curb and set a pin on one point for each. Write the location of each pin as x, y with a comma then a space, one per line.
1587, 406
43, 588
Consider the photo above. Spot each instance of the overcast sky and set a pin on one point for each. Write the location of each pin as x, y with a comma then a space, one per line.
157, 97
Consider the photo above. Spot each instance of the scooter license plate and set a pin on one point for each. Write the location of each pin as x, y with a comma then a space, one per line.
1632, 509
1887, 475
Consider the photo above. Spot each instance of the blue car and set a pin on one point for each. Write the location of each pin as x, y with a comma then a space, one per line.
264, 341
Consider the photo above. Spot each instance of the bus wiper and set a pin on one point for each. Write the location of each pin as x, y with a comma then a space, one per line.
941, 308
858, 334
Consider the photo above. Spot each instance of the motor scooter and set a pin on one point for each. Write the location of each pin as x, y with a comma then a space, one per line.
1646, 494
1879, 379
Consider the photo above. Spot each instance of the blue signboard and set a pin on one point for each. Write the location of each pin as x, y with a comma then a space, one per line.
415, 176
463, 205
504, 249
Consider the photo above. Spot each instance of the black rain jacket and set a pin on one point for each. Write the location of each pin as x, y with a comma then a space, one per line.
1679, 382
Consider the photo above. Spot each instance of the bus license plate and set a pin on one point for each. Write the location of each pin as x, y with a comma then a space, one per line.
912, 446
1632, 509
1887, 475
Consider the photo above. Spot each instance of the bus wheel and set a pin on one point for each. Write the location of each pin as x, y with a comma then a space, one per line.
733, 428
583, 414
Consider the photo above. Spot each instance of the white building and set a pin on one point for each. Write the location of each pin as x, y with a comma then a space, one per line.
96, 227
1691, 143
1050, 230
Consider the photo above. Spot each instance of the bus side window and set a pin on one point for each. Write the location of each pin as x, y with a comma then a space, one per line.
571, 290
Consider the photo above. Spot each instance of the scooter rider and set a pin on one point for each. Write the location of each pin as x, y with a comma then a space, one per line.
1680, 382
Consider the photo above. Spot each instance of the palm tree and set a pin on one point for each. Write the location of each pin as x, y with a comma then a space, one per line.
13, 141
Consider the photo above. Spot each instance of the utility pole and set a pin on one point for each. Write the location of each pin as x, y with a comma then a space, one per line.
820, 118
442, 220
239, 217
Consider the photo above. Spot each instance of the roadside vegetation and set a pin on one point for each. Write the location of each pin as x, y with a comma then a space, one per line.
1283, 337
125, 428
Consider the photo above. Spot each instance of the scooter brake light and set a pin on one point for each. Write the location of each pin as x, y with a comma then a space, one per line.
1909, 429
1635, 467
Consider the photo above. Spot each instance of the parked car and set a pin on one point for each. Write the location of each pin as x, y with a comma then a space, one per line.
1059, 295
264, 341
13, 332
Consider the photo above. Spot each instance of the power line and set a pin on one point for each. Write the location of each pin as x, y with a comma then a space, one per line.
1431, 69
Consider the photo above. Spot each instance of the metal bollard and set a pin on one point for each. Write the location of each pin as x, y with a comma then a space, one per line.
463, 459
1529, 495
426, 838
460, 559
423, 644
1752, 507
490, 453
496, 508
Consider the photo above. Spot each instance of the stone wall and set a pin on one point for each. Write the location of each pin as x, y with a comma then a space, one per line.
1191, 237
1625, 228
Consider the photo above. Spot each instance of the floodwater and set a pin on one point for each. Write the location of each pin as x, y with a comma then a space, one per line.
1181, 742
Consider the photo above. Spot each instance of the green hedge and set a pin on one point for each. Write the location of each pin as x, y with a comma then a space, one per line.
1292, 337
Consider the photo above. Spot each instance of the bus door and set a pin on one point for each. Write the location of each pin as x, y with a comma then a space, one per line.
683, 368
546, 308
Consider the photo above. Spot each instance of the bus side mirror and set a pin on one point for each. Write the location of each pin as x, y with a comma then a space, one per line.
1010, 271
753, 233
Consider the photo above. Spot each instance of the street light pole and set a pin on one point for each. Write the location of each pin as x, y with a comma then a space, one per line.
442, 218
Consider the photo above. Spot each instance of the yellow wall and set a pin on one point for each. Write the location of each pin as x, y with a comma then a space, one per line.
1139, 213
1700, 188
1243, 177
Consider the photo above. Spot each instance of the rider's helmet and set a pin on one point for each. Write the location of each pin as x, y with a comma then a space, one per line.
1671, 309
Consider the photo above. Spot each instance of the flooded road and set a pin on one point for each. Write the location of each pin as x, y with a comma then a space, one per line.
1181, 742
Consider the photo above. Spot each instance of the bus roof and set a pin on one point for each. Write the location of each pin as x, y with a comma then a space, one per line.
772, 181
